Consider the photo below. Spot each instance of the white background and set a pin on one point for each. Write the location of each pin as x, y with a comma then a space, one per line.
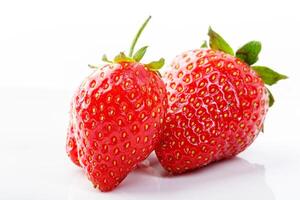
45, 47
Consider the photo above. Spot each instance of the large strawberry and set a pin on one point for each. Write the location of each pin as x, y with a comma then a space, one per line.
118, 116
217, 104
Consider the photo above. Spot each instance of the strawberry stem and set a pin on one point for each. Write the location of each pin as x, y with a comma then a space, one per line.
137, 36
137, 56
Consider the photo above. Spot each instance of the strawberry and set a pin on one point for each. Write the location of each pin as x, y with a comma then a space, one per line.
217, 104
118, 114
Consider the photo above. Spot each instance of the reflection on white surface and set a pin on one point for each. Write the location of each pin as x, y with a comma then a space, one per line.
34, 164
230, 179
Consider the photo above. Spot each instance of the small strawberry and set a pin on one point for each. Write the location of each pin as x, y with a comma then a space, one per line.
217, 104
118, 114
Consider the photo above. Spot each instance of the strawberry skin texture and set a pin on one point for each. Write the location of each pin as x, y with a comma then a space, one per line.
71, 146
119, 113
217, 105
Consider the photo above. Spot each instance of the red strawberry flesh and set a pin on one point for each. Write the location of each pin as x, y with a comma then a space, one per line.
217, 105
119, 113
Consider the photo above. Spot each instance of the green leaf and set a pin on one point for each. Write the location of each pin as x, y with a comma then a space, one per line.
140, 53
268, 75
156, 65
105, 59
271, 98
216, 42
204, 44
249, 52
121, 57
93, 66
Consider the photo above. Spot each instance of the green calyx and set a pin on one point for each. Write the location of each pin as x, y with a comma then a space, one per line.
268, 75
204, 44
218, 43
248, 53
135, 56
